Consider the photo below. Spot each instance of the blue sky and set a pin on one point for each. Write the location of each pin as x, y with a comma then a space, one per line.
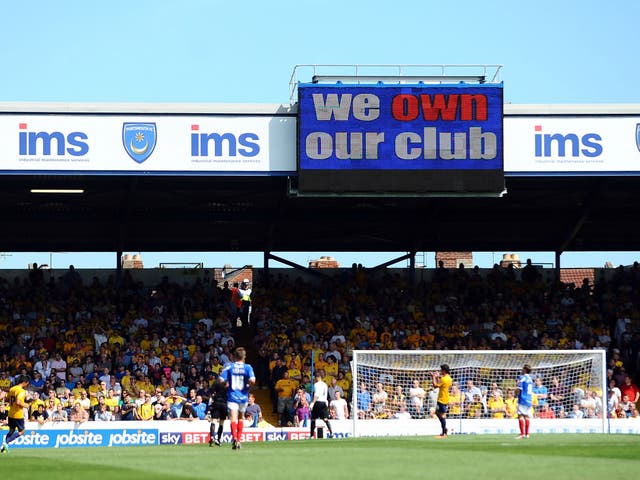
552, 52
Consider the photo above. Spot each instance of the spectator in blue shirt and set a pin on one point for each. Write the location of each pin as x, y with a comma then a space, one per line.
199, 407
364, 401
541, 392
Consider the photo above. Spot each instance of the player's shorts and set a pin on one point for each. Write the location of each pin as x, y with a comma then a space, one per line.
237, 407
16, 424
525, 410
218, 411
442, 408
320, 410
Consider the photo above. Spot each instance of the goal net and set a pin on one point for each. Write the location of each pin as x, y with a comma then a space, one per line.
396, 385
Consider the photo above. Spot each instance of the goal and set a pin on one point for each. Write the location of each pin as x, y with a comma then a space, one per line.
569, 391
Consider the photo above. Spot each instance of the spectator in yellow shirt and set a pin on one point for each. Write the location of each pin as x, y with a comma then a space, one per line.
285, 388
496, 405
5, 381
112, 399
511, 404
455, 401
35, 403
216, 366
475, 408
345, 383
331, 367
93, 390
145, 410
79, 388
294, 372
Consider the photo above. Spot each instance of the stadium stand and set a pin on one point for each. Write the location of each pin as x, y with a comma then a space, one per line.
171, 338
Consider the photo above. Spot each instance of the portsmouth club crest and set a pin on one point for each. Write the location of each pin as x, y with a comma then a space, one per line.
139, 140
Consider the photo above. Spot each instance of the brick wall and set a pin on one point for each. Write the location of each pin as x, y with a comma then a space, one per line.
324, 262
454, 259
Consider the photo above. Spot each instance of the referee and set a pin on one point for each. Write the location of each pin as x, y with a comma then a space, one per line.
217, 411
320, 405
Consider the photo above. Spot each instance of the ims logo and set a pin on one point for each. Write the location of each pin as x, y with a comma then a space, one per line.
223, 144
31, 143
566, 144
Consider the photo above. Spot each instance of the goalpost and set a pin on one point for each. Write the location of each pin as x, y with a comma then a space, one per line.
401, 399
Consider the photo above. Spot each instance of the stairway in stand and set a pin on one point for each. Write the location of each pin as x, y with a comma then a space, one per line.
244, 338
263, 398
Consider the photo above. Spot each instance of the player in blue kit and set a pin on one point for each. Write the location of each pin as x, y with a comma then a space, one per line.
239, 378
525, 401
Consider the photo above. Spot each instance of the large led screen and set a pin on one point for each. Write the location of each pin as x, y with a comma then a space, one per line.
386, 139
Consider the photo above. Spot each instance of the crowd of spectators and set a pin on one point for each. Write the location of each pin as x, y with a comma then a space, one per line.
98, 347
319, 324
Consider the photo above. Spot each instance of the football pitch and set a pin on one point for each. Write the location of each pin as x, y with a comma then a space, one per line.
557, 456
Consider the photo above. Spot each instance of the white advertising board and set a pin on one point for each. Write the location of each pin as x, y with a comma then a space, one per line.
147, 144
572, 145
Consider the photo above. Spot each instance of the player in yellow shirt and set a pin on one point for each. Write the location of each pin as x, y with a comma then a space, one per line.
442, 381
18, 402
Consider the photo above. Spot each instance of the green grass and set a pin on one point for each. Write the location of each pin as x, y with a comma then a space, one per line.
478, 457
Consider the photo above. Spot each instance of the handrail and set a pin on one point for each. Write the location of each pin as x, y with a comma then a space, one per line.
477, 73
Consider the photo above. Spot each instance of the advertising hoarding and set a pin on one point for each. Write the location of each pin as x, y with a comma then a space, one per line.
572, 145
138, 433
147, 144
